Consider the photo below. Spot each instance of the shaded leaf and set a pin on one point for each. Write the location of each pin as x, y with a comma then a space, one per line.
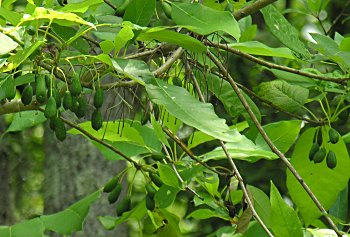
140, 12
25, 119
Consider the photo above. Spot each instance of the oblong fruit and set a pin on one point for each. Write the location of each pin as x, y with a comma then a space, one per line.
40, 88
150, 203
27, 95
314, 148
56, 94
111, 184
151, 191
82, 107
96, 119
331, 160
51, 108
67, 100
156, 179
98, 98
123, 206
75, 87
319, 136
114, 195
60, 129
333, 136
167, 9
10, 88
320, 155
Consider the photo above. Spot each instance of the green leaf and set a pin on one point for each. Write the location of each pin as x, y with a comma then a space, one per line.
284, 95
65, 222
284, 220
11, 16
180, 103
140, 12
261, 204
242, 150
203, 214
25, 119
134, 69
159, 131
340, 207
163, 35
168, 176
123, 37
325, 183
15, 60
284, 31
258, 48
165, 196
204, 20
283, 141
71, 219
293, 79
317, 5
6, 44
80, 7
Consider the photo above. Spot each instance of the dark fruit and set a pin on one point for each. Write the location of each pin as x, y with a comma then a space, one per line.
51, 108
151, 191
96, 119
27, 95
156, 179
123, 206
319, 137
331, 160
67, 100
314, 148
75, 87
82, 107
111, 184
320, 155
150, 203
333, 136
40, 88
60, 129
114, 195
98, 98
10, 88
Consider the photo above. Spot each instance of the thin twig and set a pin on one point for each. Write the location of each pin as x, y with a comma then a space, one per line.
270, 143
275, 66
189, 153
178, 174
233, 165
172, 58
110, 4
338, 17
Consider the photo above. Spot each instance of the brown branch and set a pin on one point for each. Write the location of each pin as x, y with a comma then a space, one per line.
172, 58
270, 143
110, 4
15, 106
233, 165
275, 66
250, 9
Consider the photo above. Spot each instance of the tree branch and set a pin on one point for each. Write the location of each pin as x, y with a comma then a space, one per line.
172, 58
275, 66
270, 143
250, 9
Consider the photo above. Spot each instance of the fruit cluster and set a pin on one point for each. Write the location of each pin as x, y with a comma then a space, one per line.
47, 92
318, 152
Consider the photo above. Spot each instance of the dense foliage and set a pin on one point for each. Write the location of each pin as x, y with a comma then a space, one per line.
237, 124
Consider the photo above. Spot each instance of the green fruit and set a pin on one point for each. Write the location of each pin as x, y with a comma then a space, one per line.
82, 107
67, 100
51, 108
27, 95
96, 119
151, 191
123, 206
52, 124
31, 30
114, 195
331, 160
56, 94
40, 88
111, 184
10, 88
156, 179
320, 155
319, 137
314, 148
75, 104
150, 203
60, 129
75, 87
167, 9
98, 98
333, 136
